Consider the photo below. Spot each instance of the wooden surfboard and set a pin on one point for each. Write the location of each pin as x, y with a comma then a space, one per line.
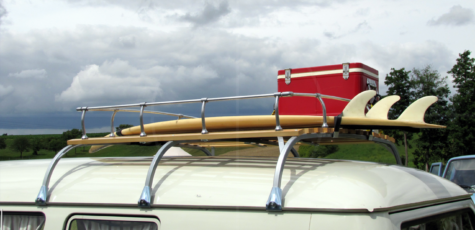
264, 122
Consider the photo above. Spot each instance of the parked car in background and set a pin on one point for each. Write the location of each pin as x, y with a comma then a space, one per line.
437, 168
461, 170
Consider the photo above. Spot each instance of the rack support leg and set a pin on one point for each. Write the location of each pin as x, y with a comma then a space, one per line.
145, 200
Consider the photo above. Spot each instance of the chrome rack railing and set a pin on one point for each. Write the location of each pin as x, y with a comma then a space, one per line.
115, 110
203, 101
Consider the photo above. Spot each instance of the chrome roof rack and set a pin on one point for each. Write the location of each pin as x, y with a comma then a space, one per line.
284, 138
203, 101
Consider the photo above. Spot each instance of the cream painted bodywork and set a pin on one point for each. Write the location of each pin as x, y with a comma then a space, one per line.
316, 191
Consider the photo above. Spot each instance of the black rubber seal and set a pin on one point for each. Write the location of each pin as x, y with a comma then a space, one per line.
337, 123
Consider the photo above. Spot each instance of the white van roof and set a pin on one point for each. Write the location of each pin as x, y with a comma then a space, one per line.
217, 182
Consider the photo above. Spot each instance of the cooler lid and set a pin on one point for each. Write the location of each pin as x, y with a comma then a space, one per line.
343, 69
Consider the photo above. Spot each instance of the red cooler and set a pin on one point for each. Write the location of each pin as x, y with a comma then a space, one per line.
343, 80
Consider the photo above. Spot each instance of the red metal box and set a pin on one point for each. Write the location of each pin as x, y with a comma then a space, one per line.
343, 80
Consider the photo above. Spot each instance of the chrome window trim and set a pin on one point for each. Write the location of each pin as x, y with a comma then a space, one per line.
94, 216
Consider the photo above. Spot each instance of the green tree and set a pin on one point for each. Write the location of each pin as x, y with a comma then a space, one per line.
399, 83
71, 134
56, 144
431, 143
36, 145
123, 126
21, 145
3, 145
462, 126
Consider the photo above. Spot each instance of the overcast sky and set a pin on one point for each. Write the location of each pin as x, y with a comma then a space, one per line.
58, 55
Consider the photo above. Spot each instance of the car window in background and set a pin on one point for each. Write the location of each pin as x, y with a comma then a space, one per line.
462, 172
435, 170
458, 220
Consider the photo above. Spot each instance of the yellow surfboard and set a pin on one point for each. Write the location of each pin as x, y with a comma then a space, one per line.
263, 122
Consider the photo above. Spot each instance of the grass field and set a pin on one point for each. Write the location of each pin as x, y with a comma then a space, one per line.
362, 152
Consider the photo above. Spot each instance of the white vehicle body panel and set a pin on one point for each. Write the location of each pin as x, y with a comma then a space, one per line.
217, 193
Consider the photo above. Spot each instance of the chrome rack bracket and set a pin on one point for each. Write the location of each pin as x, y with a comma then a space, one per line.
274, 202
324, 109
281, 142
203, 124
112, 123
276, 109
83, 116
43, 194
142, 129
145, 199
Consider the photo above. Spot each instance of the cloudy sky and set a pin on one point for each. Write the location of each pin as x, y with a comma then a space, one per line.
56, 55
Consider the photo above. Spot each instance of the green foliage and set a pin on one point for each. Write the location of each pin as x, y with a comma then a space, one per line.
36, 145
71, 134
122, 126
399, 83
3, 145
56, 144
432, 143
462, 126
20, 145
318, 151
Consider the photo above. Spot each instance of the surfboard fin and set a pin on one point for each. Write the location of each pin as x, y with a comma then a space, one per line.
357, 105
415, 111
381, 109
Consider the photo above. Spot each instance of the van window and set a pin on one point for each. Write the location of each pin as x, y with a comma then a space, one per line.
458, 220
82, 222
22, 220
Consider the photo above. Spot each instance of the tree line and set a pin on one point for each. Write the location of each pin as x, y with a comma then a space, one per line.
53, 143
454, 111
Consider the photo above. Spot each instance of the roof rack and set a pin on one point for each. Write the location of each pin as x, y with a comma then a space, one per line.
284, 138
203, 101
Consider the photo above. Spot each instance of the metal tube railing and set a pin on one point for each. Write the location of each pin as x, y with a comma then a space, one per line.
142, 129
276, 109
150, 112
83, 116
324, 109
112, 124
203, 124
203, 101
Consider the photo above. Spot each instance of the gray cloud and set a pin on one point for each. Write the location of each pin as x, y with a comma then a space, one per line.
208, 15
30, 73
5, 90
3, 11
244, 12
362, 26
102, 67
457, 16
